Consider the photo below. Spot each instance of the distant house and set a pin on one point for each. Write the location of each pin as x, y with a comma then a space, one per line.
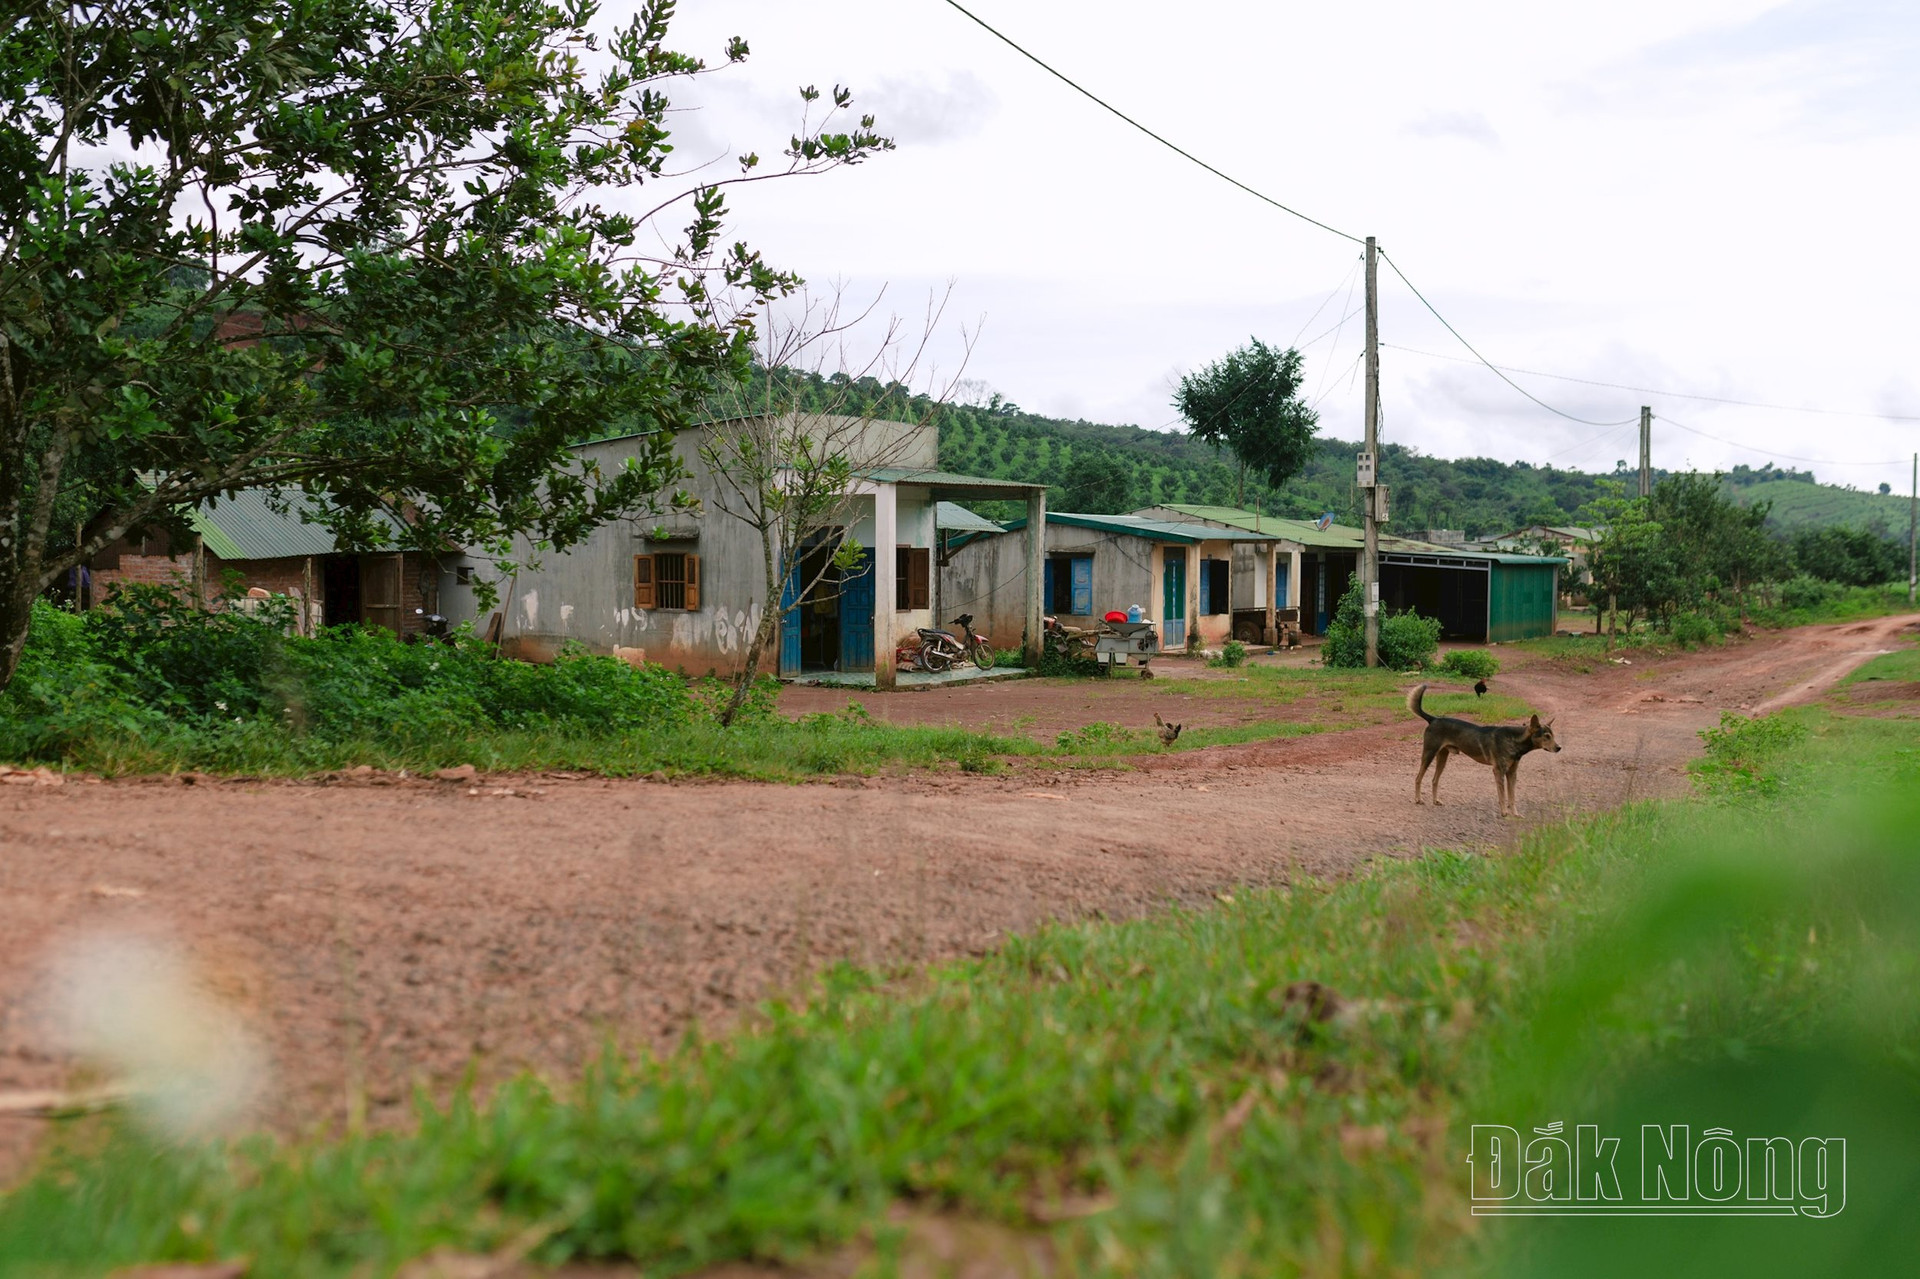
1179, 573
1476, 595
244, 542
1573, 541
688, 591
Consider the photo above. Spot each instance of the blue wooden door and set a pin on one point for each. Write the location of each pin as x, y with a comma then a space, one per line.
1173, 601
1082, 572
1281, 572
790, 625
856, 617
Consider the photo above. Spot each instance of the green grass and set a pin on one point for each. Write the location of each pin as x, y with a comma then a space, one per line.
1155, 1073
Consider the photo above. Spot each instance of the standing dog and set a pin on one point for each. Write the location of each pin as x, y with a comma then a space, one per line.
1501, 747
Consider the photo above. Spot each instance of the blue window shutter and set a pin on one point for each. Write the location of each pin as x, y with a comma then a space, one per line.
1206, 589
1082, 573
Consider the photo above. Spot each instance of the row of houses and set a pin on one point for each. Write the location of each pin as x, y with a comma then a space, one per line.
1207, 574
689, 593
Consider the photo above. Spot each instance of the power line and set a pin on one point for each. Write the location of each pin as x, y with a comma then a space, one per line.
1178, 150
1672, 395
1498, 372
1816, 461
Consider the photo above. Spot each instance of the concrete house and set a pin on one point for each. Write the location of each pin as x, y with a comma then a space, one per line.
688, 590
243, 537
1180, 573
1485, 596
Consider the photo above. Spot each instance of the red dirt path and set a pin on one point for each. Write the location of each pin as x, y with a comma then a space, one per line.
402, 931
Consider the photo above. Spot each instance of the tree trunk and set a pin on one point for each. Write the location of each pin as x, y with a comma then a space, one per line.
16, 616
771, 616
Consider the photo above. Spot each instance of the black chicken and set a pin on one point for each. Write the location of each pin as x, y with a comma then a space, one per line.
1479, 688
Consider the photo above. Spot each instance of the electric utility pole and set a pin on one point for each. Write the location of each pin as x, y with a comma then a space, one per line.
1370, 492
1646, 451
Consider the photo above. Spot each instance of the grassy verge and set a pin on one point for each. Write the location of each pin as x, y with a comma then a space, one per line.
1747, 957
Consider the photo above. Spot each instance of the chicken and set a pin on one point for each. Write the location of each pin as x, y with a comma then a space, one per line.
1479, 688
1169, 733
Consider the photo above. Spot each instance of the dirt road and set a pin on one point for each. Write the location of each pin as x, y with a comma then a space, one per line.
388, 933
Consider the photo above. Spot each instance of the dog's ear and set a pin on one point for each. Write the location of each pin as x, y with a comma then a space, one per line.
1533, 723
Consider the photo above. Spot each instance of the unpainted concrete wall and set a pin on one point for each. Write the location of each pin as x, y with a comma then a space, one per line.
586, 594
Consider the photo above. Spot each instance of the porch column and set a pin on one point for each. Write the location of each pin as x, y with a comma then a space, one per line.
1273, 584
884, 538
1036, 569
1293, 579
1196, 565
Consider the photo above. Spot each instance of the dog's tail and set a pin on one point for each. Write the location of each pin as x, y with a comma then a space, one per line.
1413, 703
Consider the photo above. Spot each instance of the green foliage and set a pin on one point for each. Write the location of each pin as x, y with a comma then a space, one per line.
1097, 482
153, 683
1100, 738
1849, 556
384, 199
1232, 653
1470, 663
1249, 402
1408, 641
1740, 750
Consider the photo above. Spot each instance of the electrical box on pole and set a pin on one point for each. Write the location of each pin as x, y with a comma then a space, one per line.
1370, 555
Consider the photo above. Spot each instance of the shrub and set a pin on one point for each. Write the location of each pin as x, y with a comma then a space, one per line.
150, 665
1407, 640
1809, 593
1232, 653
1692, 629
1470, 663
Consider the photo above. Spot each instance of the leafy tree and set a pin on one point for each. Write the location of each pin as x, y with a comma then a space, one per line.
1097, 483
1850, 556
1633, 565
1250, 402
356, 250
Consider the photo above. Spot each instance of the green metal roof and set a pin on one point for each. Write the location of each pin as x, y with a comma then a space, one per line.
1342, 537
244, 526
955, 518
1151, 529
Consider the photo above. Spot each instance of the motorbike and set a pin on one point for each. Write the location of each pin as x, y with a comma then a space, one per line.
942, 650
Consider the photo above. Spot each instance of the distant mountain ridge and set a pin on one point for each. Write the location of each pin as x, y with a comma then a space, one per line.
1478, 495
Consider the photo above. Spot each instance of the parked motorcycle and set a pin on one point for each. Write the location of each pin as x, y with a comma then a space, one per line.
942, 650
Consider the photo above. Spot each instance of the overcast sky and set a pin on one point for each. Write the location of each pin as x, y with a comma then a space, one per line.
1705, 196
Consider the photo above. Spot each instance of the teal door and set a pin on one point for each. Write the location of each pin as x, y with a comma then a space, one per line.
856, 616
1173, 601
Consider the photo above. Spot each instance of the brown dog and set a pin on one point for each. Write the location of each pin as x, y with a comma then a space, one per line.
1500, 747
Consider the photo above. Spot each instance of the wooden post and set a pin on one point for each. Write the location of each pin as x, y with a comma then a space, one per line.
1613, 620
1370, 554
1035, 638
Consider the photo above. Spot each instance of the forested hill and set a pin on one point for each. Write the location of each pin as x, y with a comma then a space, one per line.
1479, 495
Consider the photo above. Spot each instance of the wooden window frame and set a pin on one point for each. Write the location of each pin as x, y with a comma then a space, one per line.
652, 589
912, 578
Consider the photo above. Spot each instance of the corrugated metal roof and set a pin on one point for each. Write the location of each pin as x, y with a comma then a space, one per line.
245, 526
944, 479
1335, 537
1151, 529
1342, 537
958, 519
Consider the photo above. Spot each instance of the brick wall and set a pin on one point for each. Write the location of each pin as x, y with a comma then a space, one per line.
277, 576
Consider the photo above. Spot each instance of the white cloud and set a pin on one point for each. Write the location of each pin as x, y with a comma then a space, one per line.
1468, 126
